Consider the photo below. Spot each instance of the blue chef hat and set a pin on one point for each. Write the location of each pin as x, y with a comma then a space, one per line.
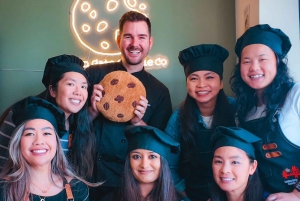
37, 108
150, 138
275, 39
56, 66
234, 137
203, 57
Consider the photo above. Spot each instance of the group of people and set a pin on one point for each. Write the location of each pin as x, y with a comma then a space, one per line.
57, 145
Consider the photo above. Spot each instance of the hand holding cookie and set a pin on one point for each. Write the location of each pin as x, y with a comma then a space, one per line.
139, 112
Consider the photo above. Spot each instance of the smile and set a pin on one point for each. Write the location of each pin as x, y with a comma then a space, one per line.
39, 151
75, 101
135, 52
145, 171
256, 76
227, 179
202, 92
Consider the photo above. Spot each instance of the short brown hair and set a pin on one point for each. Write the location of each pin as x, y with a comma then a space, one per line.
133, 16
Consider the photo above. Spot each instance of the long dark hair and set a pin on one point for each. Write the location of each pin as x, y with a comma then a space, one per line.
164, 188
82, 153
253, 191
273, 96
223, 116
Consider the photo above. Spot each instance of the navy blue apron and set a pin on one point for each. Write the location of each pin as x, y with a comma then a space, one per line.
278, 158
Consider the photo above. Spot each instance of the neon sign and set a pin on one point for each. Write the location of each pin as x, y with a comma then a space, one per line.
94, 24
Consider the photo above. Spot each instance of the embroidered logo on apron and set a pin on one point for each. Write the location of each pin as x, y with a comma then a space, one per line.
293, 172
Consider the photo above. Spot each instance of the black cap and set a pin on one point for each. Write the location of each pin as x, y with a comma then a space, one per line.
235, 137
37, 108
150, 138
56, 66
203, 57
275, 39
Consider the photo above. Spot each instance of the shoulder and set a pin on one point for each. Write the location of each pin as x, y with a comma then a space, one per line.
97, 72
231, 100
293, 95
75, 183
175, 113
175, 116
7, 117
295, 89
173, 124
7, 127
154, 81
232, 103
79, 189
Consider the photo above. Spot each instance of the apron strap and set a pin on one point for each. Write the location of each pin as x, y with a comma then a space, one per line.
68, 188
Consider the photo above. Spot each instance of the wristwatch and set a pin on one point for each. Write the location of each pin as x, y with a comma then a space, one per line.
297, 185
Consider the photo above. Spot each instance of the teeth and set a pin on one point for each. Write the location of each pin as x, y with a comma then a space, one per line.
227, 179
39, 151
75, 101
202, 92
256, 76
135, 52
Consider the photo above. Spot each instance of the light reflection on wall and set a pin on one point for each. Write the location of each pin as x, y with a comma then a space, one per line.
94, 24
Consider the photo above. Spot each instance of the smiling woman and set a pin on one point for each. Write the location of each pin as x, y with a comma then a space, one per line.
234, 166
206, 106
66, 87
268, 102
37, 168
147, 176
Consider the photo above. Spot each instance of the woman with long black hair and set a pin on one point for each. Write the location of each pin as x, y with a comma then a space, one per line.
269, 106
66, 84
147, 176
235, 166
205, 107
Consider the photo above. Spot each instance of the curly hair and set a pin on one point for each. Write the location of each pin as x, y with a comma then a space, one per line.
273, 96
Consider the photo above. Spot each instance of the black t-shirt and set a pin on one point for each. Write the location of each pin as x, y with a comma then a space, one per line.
111, 140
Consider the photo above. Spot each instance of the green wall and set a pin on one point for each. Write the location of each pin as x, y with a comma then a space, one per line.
32, 31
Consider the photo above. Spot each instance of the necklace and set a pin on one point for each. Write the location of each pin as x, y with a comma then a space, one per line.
43, 191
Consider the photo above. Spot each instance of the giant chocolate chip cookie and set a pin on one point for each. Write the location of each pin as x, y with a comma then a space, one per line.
121, 94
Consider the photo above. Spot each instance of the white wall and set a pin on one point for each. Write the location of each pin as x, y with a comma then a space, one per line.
240, 6
284, 14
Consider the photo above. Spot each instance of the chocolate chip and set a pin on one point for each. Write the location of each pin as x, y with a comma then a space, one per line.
114, 82
120, 115
119, 98
131, 85
106, 106
133, 104
103, 93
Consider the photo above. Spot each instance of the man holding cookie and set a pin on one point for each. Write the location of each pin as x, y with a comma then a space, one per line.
134, 41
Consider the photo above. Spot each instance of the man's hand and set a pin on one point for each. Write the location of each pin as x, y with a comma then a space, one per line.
139, 112
292, 196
